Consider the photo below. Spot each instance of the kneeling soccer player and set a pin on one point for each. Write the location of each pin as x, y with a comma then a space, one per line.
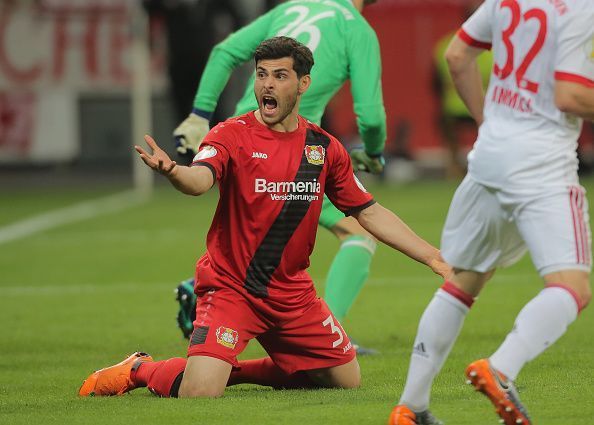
273, 168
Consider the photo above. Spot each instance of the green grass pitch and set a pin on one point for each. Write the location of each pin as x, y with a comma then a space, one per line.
83, 295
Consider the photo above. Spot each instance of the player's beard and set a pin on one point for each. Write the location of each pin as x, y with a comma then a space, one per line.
284, 107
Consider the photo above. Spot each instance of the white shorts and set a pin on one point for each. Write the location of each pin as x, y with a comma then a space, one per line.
488, 228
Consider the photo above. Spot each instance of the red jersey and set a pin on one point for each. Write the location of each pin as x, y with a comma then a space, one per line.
271, 191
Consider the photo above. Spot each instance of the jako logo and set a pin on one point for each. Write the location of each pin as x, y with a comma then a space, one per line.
260, 155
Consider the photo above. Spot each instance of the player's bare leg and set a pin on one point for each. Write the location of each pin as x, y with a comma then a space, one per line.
204, 377
576, 280
472, 283
347, 375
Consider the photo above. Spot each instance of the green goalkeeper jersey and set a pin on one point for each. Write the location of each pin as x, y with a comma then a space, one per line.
344, 47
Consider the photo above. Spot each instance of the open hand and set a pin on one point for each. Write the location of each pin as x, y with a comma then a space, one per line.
158, 160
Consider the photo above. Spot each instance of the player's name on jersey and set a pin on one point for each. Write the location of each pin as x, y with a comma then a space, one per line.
511, 98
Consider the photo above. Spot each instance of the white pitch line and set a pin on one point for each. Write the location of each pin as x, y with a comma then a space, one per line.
84, 288
14, 289
431, 279
78, 212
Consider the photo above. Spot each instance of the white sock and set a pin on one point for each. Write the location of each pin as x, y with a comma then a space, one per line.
540, 323
438, 329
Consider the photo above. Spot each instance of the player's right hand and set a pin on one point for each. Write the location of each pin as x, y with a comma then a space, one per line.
189, 134
158, 160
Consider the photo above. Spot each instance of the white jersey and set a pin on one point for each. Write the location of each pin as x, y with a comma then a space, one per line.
525, 140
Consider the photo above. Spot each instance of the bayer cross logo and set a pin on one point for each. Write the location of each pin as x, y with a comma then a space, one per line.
227, 337
315, 155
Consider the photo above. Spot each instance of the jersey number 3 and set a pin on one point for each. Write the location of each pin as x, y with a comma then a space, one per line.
502, 72
335, 329
305, 25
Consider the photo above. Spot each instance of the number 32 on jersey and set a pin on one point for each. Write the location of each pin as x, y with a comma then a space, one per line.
518, 18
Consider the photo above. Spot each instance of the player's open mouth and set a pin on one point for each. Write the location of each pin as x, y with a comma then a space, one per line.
269, 104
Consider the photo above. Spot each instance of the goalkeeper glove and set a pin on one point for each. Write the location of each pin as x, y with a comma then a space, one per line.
362, 161
189, 134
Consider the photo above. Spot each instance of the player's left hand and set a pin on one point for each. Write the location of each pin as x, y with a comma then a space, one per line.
440, 267
362, 161
158, 160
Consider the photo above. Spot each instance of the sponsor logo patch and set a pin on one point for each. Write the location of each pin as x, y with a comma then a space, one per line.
287, 191
315, 154
205, 153
227, 336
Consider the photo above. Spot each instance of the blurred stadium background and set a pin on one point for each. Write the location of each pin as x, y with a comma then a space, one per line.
76, 75
87, 267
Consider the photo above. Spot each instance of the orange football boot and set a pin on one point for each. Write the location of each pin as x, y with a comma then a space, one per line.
402, 415
499, 390
113, 380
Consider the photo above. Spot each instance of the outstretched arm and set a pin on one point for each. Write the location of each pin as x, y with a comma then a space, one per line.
189, 180
391, 230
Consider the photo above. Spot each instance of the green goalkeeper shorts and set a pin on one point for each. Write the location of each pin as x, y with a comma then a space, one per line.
330, 215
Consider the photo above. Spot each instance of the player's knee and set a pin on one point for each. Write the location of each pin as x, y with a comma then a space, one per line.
346, 382
346, 376
189, 389
199, 393
350, 376
585, 296
577, 283
353, 381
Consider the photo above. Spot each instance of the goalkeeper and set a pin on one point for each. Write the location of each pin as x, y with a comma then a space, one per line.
345, 47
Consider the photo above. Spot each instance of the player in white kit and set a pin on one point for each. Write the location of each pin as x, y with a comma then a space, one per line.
521, 192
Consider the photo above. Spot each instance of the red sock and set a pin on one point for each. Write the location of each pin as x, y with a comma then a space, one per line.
265, 372
160, 377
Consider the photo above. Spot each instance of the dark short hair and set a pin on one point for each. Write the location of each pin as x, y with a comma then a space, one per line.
283, 47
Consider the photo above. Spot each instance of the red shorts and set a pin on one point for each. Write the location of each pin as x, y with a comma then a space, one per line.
306, 338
